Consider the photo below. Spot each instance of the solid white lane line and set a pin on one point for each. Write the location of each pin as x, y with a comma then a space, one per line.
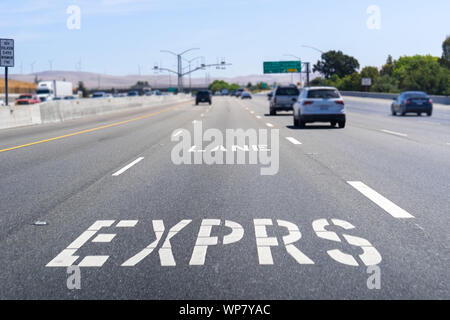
258, 117
269, 125
381, 201
395, 133
293, 140
118, 173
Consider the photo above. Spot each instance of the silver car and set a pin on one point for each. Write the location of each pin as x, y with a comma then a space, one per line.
283, 98
320, 104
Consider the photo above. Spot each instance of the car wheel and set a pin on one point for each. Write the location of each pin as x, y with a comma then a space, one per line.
403, 112
272, 112
419, 114
295, 122
393, 112
333, 123
429, 113
342, 124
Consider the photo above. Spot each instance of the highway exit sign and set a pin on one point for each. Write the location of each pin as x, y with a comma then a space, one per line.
6, 53
282, 67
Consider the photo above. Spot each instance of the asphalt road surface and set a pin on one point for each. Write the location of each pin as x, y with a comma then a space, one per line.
139, 226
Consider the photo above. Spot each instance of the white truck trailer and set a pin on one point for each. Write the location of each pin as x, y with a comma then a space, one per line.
49, 90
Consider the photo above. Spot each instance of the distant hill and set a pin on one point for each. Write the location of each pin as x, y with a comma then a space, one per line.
105, 81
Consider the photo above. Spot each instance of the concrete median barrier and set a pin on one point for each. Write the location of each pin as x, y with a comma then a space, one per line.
63, 110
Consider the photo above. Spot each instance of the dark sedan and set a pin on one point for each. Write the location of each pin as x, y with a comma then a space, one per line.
412, 102
203, 96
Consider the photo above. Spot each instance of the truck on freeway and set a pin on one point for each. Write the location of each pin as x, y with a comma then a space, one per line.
49, 90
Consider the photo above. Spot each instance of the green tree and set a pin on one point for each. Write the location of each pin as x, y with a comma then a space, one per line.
234, 86
218, 85
385, 83
421, 73
317, 82
336, 62
445, 59
351, 82
370, 72
387, 68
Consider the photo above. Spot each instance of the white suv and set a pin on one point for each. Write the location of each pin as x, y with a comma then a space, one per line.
319, 104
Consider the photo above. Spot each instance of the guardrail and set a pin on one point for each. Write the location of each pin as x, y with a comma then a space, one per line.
436, 99
63, 110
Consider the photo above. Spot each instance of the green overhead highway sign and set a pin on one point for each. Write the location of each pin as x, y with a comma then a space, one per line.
282, 67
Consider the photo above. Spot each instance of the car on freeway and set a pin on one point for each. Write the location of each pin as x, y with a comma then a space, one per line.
26, 99
99, 94
319, 104
239, 93
133, 94
157, 93
412, 102
246, 95
232, 93
203, 96
282, 98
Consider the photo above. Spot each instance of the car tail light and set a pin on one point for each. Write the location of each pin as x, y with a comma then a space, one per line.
305, 103
341, 102
407, 101
430, 101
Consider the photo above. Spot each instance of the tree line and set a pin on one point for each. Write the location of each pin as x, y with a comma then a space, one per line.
418, 72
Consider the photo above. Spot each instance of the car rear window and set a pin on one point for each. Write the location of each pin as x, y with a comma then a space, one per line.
203, 93
26, 97
416, 95
323, 94
288, 92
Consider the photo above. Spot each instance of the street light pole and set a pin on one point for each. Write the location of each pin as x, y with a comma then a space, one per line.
180, 72
307, 63
180, 66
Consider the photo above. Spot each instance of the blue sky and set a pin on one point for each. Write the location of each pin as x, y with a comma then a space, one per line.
118, 35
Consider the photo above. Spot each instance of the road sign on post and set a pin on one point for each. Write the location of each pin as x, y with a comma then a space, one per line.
6, 53
282, 67
6, 60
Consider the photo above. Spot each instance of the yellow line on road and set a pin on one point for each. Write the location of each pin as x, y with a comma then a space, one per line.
89, 130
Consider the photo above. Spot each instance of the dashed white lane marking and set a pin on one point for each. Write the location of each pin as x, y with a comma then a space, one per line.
293, 140
258, 117
269, 125
395, 133
202, 115
381, 201
118, 173
177, 133
252, 112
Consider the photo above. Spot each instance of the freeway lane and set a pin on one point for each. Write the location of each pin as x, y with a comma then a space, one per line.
70, 183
